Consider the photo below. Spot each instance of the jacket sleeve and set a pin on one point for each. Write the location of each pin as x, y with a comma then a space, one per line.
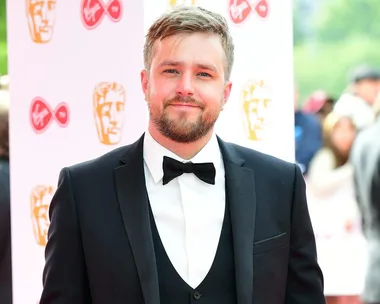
305, 279
64, 276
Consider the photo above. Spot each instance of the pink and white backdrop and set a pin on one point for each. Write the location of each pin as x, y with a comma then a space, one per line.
75, 94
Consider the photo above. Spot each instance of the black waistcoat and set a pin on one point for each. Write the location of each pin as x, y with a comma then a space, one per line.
219, 285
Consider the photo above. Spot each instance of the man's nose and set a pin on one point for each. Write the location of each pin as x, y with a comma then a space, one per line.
185, 86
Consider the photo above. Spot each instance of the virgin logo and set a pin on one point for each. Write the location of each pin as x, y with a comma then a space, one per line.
93, 12
239, 10
41, 114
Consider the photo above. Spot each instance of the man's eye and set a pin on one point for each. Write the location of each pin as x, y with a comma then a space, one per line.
203, 74
171, 71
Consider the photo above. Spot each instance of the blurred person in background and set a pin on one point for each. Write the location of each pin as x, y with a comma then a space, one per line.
308, 135
365, 158
320, 104
5, 225
359, 99
335, 216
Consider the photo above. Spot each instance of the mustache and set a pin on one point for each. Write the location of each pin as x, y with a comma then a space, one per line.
185, 100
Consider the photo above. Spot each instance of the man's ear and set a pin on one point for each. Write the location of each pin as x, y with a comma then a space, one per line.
144, 82
226, 93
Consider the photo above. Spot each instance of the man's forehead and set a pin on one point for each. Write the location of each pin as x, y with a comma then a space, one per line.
369, 81
203, 64
175, 48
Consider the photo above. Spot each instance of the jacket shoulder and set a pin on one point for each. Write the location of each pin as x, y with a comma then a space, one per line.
254, 158
101, 164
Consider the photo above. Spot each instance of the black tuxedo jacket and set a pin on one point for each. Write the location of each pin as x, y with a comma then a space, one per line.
100, 247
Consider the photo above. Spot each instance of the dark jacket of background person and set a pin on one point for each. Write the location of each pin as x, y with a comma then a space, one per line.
308, 138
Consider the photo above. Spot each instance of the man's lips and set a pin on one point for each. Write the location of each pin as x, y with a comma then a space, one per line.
187, 105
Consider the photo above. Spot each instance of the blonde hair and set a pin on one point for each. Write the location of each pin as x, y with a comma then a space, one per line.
328, 127
189, 20
330, 122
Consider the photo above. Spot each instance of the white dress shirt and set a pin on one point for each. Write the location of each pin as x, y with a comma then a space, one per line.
188, 212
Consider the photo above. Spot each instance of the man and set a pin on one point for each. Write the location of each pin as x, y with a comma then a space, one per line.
180, 216
365, 157
5, 217
359, 100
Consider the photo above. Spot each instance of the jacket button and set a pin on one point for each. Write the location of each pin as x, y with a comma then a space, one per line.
197, 295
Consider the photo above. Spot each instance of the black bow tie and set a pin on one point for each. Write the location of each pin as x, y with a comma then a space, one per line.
173, 168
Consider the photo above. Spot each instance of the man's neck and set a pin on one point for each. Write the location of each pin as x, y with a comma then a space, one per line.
184, 150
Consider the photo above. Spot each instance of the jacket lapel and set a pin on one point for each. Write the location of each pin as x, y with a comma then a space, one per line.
241, 195
134, 206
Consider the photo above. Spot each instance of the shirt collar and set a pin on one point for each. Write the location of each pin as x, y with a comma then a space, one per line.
154, 153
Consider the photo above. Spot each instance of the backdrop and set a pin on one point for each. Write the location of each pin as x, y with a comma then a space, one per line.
75, 94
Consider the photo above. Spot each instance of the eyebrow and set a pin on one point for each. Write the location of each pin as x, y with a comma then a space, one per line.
203, 66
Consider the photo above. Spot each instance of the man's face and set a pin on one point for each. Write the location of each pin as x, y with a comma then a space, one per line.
40, 201
257, 106
185, 88
368, 89
110, 116
41, 16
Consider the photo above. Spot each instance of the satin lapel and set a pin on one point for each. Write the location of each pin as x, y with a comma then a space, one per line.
134, 207
241, 196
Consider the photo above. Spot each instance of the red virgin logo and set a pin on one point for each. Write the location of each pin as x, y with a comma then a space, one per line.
240, 10
93, 12
42, 115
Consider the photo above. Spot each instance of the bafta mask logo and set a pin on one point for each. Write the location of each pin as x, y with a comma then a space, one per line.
256, 101
239, 10
39, 203
109, 101
174, 3
42, 115
41, 19
93, 12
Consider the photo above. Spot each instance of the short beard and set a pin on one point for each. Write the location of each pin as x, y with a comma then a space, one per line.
182, 131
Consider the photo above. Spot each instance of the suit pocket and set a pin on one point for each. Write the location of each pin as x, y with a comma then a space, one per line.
271, 243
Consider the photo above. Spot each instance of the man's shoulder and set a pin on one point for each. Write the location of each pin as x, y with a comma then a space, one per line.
364, 142
257, 160
105, 162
